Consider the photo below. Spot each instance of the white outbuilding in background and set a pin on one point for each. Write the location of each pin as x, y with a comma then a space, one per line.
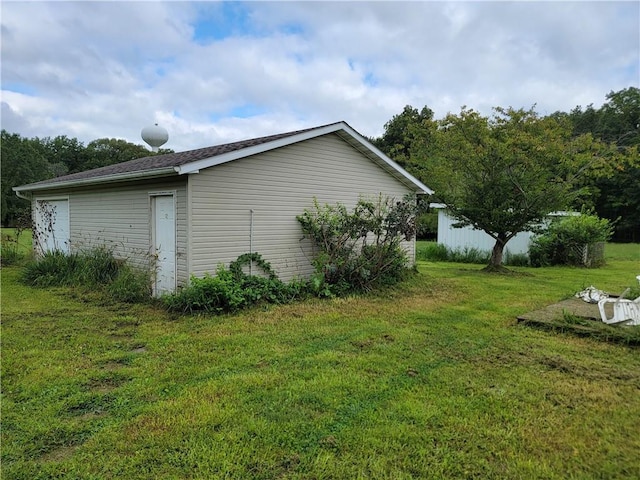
468, 238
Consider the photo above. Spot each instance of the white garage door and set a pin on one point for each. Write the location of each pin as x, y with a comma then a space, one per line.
51, 231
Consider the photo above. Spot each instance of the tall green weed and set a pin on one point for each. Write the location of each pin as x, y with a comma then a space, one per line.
437, 252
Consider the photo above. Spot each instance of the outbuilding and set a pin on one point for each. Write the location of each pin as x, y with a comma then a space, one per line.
185, 213
466, 238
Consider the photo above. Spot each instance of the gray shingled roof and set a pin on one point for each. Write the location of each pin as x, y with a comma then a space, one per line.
158, 162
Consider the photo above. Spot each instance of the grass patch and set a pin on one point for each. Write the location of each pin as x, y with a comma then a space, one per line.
15, 246
435, 252
432, 378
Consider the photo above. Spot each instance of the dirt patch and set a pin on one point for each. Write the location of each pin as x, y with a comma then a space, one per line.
571, 306
580, 318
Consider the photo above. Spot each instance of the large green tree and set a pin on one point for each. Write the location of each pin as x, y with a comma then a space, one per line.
22, 162
109, 151
615, 195
505, 173
403, 131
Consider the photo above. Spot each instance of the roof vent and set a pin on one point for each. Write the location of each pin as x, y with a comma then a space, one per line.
155, 136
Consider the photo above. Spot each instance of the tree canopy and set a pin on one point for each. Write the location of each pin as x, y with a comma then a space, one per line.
505, 173
606, 183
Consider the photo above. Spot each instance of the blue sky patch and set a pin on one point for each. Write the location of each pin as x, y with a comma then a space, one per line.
220, 20
19, 87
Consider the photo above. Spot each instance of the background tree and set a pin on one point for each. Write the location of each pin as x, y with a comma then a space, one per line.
403, 132
505, 173
615, 195
67, 155
22, 162
109, 151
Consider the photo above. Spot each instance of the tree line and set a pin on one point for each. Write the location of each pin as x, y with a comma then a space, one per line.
504, 172
29, 160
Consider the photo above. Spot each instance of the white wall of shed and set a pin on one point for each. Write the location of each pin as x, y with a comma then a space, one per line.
466, 237
277, 185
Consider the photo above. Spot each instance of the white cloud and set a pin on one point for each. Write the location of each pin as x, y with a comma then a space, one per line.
217, 72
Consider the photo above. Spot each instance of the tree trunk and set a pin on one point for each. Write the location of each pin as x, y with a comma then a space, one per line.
495, 263
496, 254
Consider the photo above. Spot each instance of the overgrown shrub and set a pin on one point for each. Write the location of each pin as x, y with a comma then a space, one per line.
232, 289
358, 250
88, 268
571, 241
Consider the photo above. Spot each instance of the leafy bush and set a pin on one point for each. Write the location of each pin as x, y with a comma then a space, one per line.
232, 289
359, 250
427, 226
569, 241
217, 294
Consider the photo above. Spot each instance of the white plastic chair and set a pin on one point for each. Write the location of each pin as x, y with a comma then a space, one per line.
626, 312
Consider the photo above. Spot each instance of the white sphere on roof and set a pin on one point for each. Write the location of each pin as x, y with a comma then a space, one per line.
155, 136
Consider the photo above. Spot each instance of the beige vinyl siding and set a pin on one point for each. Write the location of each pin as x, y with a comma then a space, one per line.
277, 185
118, 217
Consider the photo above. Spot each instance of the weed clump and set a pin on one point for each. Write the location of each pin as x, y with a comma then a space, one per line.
231, 289
10, 254
91, 268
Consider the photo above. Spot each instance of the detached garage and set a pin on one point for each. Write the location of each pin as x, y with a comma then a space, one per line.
185, 213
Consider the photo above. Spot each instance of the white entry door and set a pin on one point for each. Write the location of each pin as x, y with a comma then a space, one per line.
164, 243
51, 232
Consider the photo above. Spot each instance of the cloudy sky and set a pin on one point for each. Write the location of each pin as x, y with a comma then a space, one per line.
215, 72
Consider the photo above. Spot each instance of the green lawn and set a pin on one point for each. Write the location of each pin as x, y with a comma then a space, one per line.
434, 379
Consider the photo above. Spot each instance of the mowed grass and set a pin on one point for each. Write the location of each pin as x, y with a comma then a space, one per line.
432, 379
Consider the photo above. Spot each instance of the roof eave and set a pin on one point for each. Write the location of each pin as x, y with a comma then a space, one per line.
114, 178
